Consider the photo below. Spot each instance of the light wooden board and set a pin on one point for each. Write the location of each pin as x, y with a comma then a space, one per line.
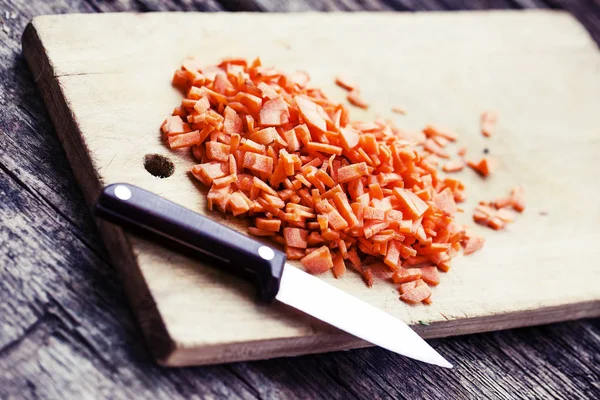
106, 83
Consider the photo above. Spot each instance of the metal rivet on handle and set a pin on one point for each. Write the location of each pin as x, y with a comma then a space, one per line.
266, 253
122, 192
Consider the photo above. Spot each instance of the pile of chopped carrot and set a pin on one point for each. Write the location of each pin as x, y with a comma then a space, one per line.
335, 193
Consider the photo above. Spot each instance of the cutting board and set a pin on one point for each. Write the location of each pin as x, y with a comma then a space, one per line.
105, 80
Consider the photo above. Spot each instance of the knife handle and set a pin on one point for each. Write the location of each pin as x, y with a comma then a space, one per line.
132, 207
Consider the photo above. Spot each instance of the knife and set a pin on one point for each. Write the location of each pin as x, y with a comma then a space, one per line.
132, 207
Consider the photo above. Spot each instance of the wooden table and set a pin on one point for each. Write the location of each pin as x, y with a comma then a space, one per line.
65, 327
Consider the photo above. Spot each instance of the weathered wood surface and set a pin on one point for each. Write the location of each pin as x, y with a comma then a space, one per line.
194, 315
65, 328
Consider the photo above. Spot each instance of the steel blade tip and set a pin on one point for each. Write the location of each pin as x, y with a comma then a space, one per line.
354, 316
441, 362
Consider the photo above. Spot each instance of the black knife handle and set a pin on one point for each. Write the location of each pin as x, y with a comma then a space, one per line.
130, 206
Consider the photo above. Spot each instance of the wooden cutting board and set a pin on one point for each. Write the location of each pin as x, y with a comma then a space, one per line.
106, 83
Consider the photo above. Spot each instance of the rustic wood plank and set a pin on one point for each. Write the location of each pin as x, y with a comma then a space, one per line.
50, 274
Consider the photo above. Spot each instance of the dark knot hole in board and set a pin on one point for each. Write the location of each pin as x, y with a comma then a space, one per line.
159, 166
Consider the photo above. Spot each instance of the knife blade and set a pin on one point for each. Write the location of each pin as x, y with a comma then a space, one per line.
133, 207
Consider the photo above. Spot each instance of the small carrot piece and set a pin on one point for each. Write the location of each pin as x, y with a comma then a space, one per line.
431, 130
293, 253
411, 202
402, 275
517, 198
264, 136
184, 140
416, 295
174, 125
311, 113
268, 224
488, 122
296, 237
345, 83
339, 266
238, 203
324, 148
473, 244
258, 163
349, 138
353, 171
399, 110
407, 286
274, 112
430, 275
318, 261
260, 232
355, 99
454, 166
482, 167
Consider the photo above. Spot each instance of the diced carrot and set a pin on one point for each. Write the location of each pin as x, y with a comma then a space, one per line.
345, 83
174, 125
431, 130
343, 207
253, 103
312, 113
274, 112
504, 215
217, 151
502, 202
402, 275
399, 110
275, 149
407, 286
293, 253
374, 213
430, 275
373, 227
349, 138
207, 172
416, 295
454, 166
324, 148
392, 256
184, 140
353, 171
268, 224
412, 204
224, 181
434, 148
488, 123
264, 136
318, 261
339, 266
296, 237
368, 277
260, 232
238, 203
482, 167
517, 197
292, 140
445, 201
355, 99
302, 133
473, 244
258, 163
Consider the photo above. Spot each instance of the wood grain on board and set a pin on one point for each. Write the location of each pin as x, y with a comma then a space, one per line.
105, 80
